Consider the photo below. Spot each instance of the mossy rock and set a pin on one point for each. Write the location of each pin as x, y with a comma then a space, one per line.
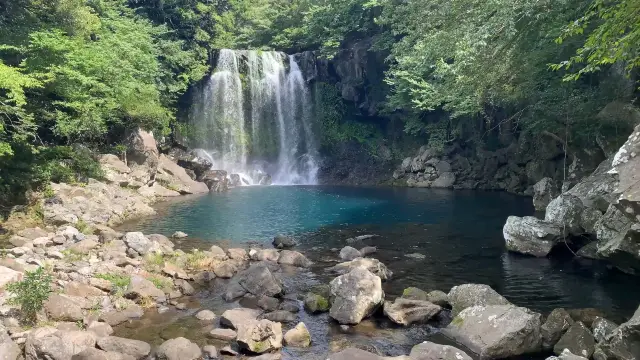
413, 293
315, 303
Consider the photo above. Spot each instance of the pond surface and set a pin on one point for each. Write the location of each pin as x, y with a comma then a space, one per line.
459, 233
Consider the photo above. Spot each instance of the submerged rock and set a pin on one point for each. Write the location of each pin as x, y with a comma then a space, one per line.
283, 242
531, 236
406, 312
468, 295
315, 303
235, 317
578, 339
349, 253
497, 331
293, 258
355, 296
298, 336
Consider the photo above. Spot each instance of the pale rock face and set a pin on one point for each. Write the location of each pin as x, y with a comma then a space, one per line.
355, 296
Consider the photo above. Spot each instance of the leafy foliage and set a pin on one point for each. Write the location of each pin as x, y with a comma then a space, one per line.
31, 292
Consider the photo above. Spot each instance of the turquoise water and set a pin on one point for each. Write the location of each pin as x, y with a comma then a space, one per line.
459, 233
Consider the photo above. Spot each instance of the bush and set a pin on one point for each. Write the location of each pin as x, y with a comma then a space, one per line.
31, 293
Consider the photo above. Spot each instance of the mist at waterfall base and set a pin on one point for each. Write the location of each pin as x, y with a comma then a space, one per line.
253, 116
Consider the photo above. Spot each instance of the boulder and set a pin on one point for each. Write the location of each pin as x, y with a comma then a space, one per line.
438, 297
531, 236
235, 317
566, 211
178, 349
623, 343
355, 296
174, 271
43, 343
217, 253
115, 317
210, 352
61, 308
368, 250
354, 354
315, 303
293, 258
444, 181
216, 180
497, 331
137, 349
349, 253
566, 355
298, 336
138, 242
623, 250
601, 328
172, 173
544, 191
9, 350
100, 329
284, 242
372, 265
258, 280
406, 312
413, 293
259, 336
223, 334
432, 351
268, 303
281, 316
140, 288
75, 288
76, 341
238, 254
468, 295
578, 339
558, 322
206, 315
226, 269
96, 354
8, 276
84, 246
264, 255
585, 315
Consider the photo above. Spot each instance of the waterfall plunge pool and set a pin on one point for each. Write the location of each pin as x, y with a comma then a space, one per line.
458, 232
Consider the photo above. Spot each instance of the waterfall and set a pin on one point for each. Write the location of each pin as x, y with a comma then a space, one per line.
253, 116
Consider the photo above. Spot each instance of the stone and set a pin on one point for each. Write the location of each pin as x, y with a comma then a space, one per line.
32, 233
268, 303
227, 350
174, 271
19, 241
349, 253
438, 297
259, 336
354, 354
623, 250
258, 280
406, 312
565, 211
355, 296
9, 350
281, 316
444, 181
264, 255
238, 254
497, 331
283, 242
178, 349
217, 253
585, 315
314, 303
206, 315
8, 276
179, 235
544, 191
210, 351
623, 343
62, 308
290, 306
413, 293
566, 355
235, 317
293, 258
96, 354
75, 288
531, 236
416, 256
101, 284
557, 323
468, 295
578, 339
76, 341
223, 334
601, 328
373, 265
299, 336
100, 329
368, 250
43, 343
226, 269
432, 351
178, 177
140, 288
42, 242
116, 317
84, 246
137, 349
138, 242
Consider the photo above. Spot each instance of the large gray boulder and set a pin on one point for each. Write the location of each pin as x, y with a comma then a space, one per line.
544, 191
355, 296
432, 351
497, 331
43, 343
293, 258
531, 236
258, 280
260, 336
141, 288
349, 253
9, 350
61, 308
567, 355
406, 312
138, 242
235, 317
284, 242
623, 250
601, 328
298, 336
468, 295
178, 349
137, 349
566, 211
373, 265
558, 322
623, 343
578, 339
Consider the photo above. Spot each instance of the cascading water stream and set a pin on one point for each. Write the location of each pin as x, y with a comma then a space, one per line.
254, 116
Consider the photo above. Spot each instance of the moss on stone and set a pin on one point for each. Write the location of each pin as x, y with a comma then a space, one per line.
457, 321
323, 304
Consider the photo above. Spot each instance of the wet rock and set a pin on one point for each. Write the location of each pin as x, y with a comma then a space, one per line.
258, 280
349, 253
178, 349
416, 256
100, 329
210, 351
179, 235
140, 288
116, 317
268, 303
438, 297
259, 336
623, 250
544, 191
578, 339
235, 317
137, 349
354, 354
565, 211
280, 316
585, 315
206, 315
468, 295
264, 255
406, 312
298, 336
293, 258
223, 334
61, 308
566, 355
290, 306
184, 287
601, 328
217, 253
413, 293
315, 303
233, 291
432, 351
623, 343
368, 250
372, 265
284, 242
531, 236
497, 331
355, 295
558, 322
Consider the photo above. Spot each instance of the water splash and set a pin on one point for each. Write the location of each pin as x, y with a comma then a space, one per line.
253, 117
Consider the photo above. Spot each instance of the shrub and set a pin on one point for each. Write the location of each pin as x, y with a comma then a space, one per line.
120, 282
31, 292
